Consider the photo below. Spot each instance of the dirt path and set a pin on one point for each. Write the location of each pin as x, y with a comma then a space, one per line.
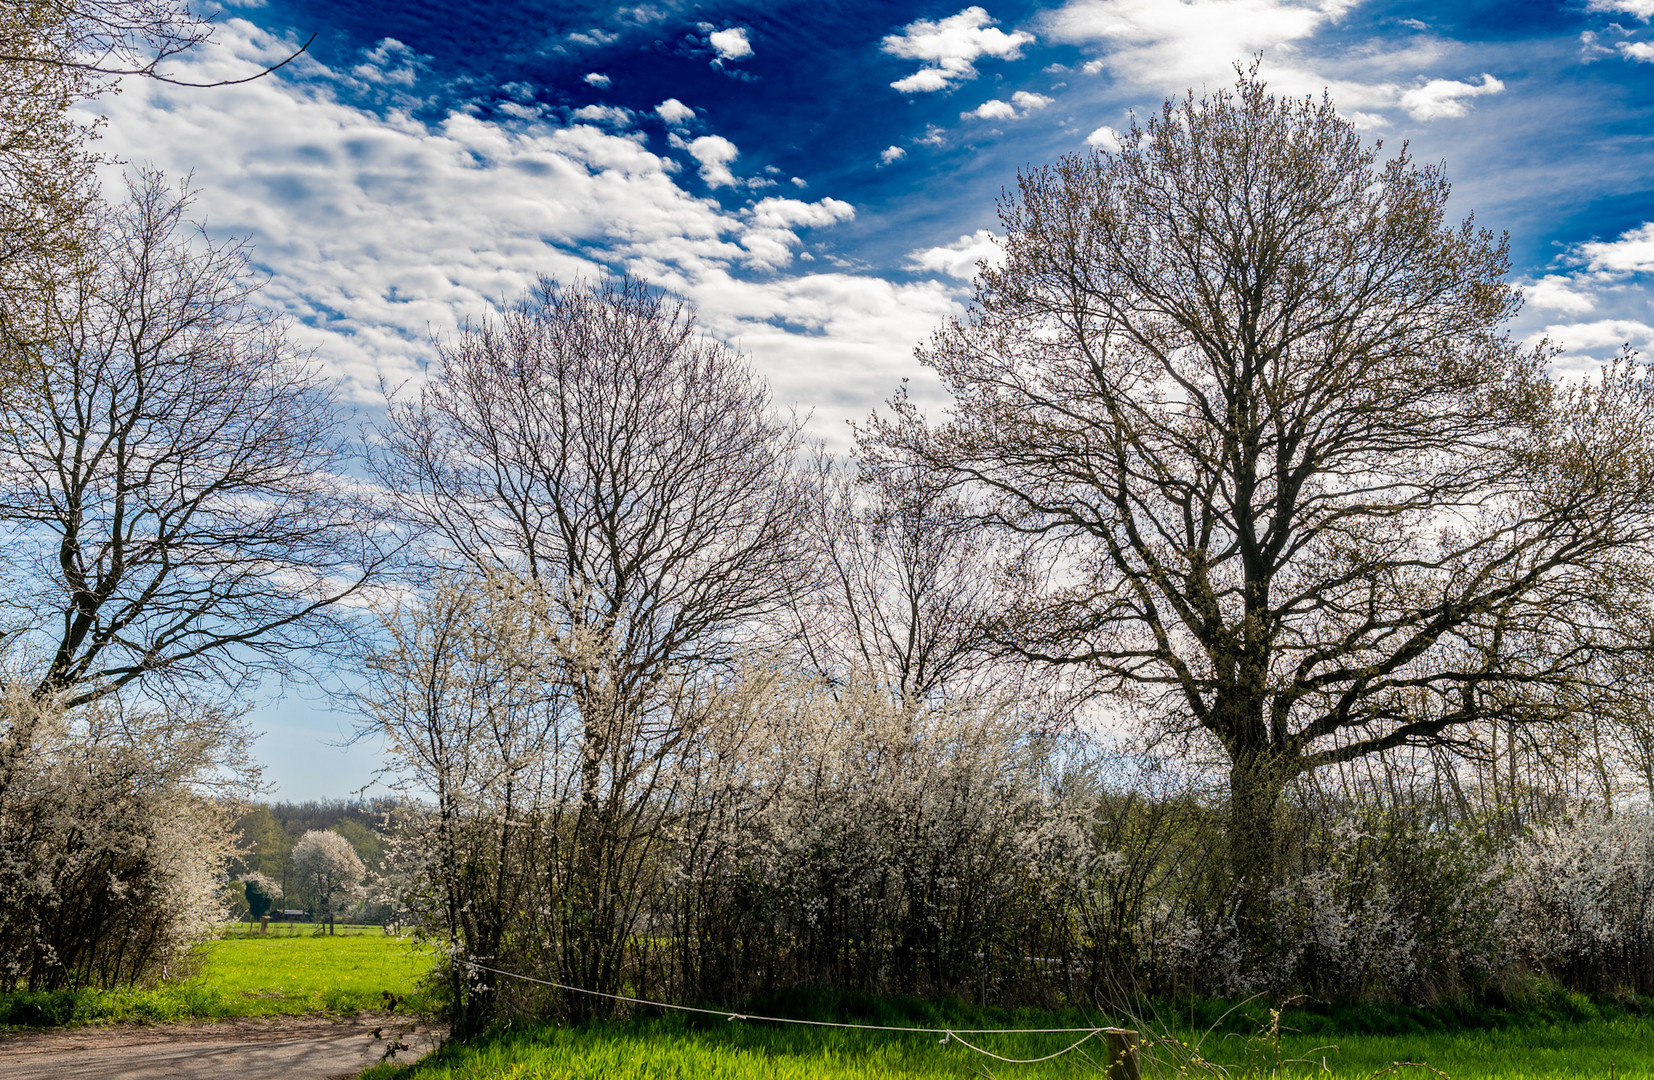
272, 1048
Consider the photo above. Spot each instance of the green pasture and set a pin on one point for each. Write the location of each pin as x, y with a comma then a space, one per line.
289, 971
674, 1048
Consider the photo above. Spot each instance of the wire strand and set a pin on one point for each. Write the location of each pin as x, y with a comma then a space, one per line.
1087, 1033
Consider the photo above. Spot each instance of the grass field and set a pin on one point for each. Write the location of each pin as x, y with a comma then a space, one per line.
288, 972
675, 1049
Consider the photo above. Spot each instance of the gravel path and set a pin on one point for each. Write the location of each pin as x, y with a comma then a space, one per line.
273, 1048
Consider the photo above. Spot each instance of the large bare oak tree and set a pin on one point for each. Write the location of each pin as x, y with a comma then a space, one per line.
1283, 480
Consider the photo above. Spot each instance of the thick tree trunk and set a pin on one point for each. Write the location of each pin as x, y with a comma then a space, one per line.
1256, 781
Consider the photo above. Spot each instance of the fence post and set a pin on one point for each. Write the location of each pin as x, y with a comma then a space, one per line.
1123, 1063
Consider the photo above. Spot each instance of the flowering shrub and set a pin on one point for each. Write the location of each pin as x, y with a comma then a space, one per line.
1582, 901
769, 829
111, 858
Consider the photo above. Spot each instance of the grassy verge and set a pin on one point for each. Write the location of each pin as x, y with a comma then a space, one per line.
290, 972
1530, 1045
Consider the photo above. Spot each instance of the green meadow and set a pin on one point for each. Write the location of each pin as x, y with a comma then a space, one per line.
1534, 1044
289, 971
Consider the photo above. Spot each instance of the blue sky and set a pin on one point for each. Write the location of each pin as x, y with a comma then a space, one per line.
820, 177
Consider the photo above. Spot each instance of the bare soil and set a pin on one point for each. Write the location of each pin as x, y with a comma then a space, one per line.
262, 1048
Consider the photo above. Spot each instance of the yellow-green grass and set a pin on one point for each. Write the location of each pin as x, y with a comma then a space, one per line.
669, 1049
283, 973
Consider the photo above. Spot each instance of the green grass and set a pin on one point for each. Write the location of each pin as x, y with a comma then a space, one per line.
1525, 1047
288, 972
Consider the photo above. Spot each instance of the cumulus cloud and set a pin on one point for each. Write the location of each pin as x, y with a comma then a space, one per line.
730, 44
1105, 138
1184, 44
1637, 9
1604, 336
993, 110
1632, 253
593, 37
1605, 283
891, 154
378, 230
1557, 292
950, 47
1021, 104
1446, 97
772, 236
674, 112
714, 152
389, 63
960, 258
1170, 47
597, 79
1636, 50
603, 114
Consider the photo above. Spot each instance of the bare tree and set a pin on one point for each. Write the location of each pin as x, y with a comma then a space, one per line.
1283, 481
592, 445
174, 499
906, 590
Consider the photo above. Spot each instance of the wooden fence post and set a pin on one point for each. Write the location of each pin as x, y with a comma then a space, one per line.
1123, 1063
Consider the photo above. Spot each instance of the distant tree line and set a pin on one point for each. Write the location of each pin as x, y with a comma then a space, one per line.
269, 834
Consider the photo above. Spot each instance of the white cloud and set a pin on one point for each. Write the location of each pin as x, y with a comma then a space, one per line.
1636, 50
1557, 292
1445, 97
771, 236
1638, 9
377, 231
389, 63
1028, 102
949, 48
1178, 45
1105, 138
714, 152
1021, 104
1170, 47
993, 110
597, 79
960, 258
604, 114
777, 212
1633, 252
891, 154
1604, 283
731, 44
1601, 336
595, 36
674, 112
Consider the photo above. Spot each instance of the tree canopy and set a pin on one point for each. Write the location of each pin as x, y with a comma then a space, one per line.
1281, 477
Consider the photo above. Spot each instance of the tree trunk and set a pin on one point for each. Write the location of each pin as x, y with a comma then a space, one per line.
1256, 781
